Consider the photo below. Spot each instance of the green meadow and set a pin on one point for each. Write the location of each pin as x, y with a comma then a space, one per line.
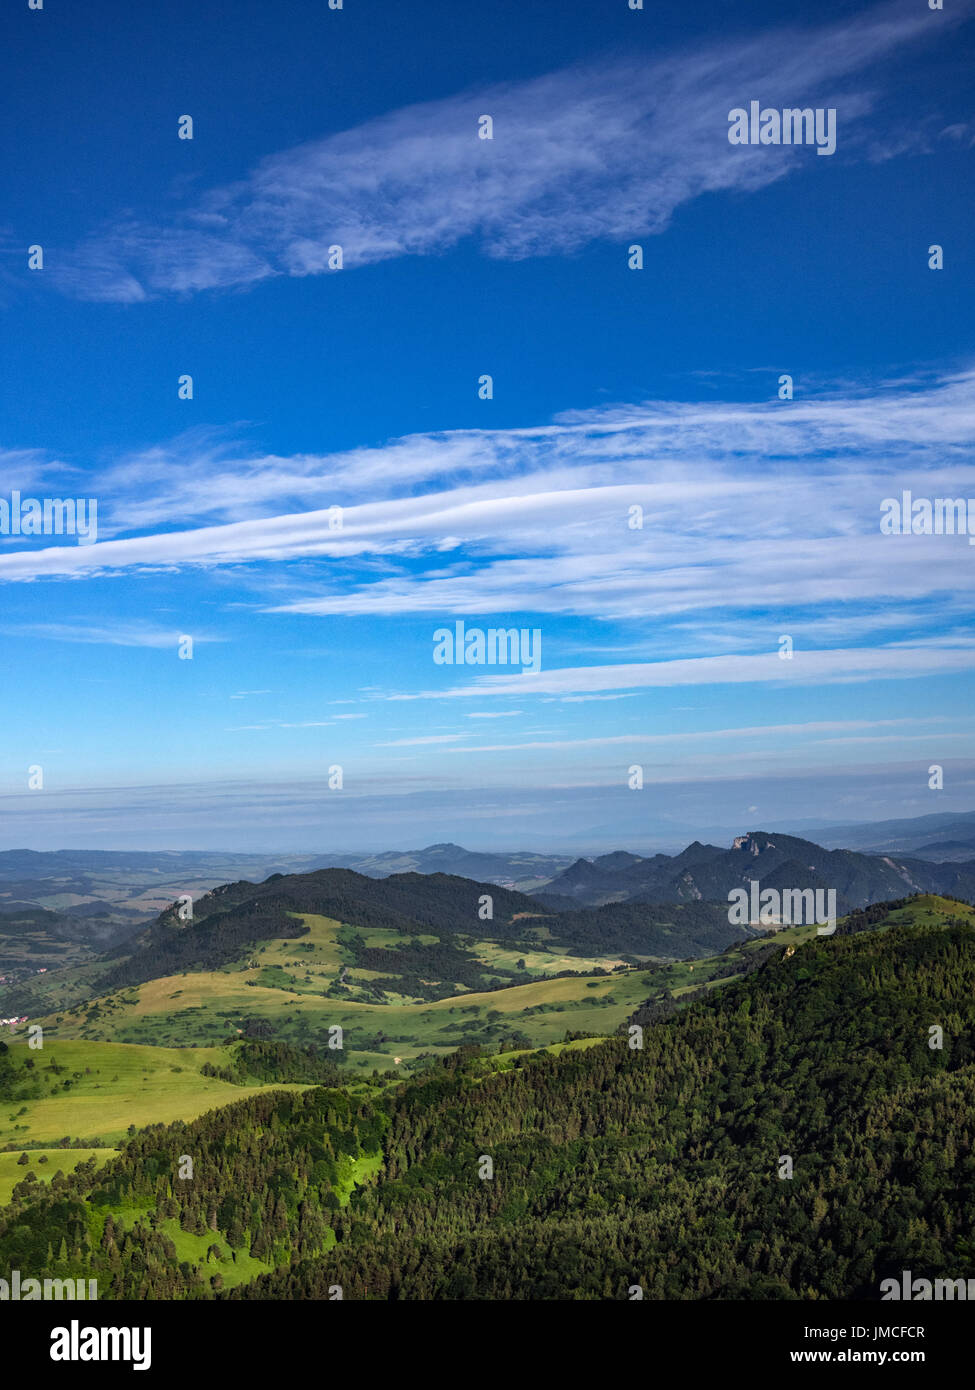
43, 1163
134, 1057
303, 987
186, 1011
95, 1091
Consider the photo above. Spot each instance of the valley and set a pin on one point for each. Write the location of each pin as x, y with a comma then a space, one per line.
365, 1005
370, 1182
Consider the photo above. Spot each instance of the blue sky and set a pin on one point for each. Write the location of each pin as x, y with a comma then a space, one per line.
357, 388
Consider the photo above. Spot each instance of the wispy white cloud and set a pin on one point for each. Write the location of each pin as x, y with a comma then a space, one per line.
759, 518
828, 667
587, 699
120, 635
604, 151
25, 469
281, 724
493, 714
762, 732
424, 739
768, 471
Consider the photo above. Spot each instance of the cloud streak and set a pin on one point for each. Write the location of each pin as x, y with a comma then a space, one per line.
748, 509
602, 152
805, 668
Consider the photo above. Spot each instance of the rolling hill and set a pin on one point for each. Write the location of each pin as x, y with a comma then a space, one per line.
123, 888
793, 1134
300, 945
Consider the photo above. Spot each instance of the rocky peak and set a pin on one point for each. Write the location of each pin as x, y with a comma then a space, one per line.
753, 843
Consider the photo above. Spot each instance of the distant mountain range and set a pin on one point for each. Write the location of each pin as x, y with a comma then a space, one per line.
521, 870
620, 904
121, 887
233, 917
944, 835
864, 863
709, 873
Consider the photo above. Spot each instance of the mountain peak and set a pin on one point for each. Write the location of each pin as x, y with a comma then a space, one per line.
753, 842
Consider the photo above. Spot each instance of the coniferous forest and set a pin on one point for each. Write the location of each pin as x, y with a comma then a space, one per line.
793, 1135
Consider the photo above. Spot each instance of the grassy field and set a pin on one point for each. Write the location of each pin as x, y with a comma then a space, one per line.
93, 1090
928, 911
207, 1007
354, 1172
112, 1086
501, 1061
318, 954
286, 984
681, 977
43, 1163
537, 962
197, 1006
234, 1266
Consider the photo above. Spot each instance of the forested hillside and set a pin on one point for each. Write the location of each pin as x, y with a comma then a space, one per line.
612, 1166
228, 922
